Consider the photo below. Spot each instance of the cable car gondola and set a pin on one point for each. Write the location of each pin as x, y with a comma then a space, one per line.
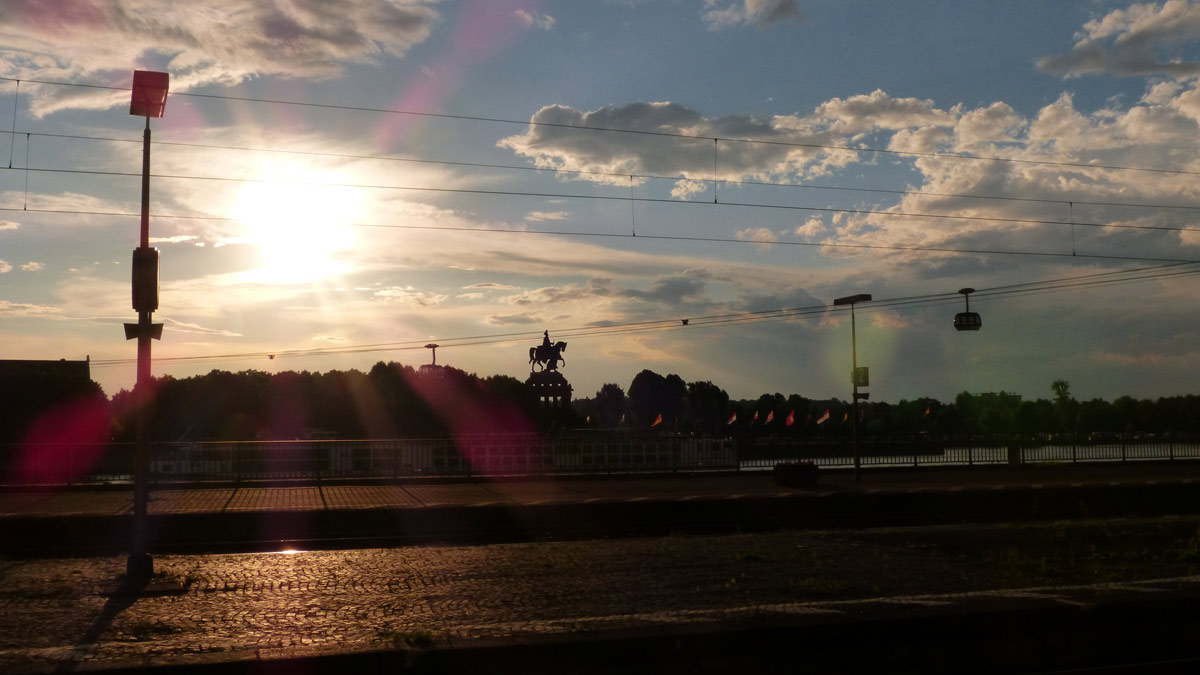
967, 320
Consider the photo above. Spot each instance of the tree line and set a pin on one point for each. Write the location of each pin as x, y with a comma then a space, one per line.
395, 401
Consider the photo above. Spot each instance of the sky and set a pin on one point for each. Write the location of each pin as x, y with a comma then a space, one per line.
337, 184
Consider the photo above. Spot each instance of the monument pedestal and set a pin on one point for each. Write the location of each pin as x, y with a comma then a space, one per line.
553, 390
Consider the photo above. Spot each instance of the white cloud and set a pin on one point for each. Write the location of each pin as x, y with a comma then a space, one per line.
539, 216
813, 228
19, 309
757, 234
678, 141
176, 239
9, 225
5, 268
99, 41
877, 110
407, 295
686, 189
32, 266
542, 21
492, 286
185, 327
513, 319
761, 13
1133, 41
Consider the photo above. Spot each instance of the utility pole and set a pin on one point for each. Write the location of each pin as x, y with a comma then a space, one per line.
858, 377
148, 100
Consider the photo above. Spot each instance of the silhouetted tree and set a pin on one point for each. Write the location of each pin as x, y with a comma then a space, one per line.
609, 406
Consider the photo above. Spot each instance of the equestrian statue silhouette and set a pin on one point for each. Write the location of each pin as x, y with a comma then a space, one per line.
547, 355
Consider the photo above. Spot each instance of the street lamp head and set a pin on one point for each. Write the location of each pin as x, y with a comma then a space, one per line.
149, 93
852, 299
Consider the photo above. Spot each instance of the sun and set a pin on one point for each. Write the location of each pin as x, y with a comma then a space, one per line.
301, 222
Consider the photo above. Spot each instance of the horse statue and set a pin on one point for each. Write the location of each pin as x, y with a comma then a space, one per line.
547, 355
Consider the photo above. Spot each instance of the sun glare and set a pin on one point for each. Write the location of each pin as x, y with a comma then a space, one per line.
300, 224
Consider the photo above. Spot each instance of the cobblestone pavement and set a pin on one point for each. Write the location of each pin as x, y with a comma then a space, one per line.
57, 612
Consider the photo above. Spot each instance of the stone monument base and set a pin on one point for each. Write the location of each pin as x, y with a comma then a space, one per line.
552, 388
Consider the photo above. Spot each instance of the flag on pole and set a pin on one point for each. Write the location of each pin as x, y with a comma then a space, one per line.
588, 420
823, 418
791, 418
657, 420
732, 418
846, 416
755, 417
770, 416
927, 409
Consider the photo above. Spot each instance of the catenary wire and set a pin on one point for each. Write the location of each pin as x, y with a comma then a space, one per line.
1030, 288
617, 198
641, 132
609, 174
711, 240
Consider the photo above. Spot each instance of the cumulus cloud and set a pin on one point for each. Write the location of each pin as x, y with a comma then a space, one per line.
686, 189
9, 225
533, 19
878, 110
408, 295
679, 143
758, 234
675, 289
1133, 41
99, 41
761, 13
32, 266
5, 268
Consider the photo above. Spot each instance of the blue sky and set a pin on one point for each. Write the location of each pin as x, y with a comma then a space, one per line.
335, 235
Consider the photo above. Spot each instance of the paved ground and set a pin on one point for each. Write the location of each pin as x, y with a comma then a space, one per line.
65, 614
81, 500
62, 614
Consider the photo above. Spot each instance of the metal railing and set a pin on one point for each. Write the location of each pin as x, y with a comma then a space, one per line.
530, 454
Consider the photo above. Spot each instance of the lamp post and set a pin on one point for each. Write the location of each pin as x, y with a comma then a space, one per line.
858, 376
148, 100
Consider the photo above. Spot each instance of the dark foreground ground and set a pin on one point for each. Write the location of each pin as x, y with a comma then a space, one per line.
1032, 594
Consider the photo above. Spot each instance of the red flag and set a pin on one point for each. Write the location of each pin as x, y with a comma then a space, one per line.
770, 416
732, 418
927, 409
755, 417
588, 420
845, 416
824, 417
657, 420
791, 418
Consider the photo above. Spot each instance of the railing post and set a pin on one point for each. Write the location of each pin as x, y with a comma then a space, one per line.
1123, 457
1170, 446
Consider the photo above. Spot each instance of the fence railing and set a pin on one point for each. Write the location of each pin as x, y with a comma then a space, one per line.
522, 454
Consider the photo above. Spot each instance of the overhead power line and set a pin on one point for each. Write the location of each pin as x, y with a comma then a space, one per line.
640, 132
583, 332
682, 238
617, 198
609, 174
